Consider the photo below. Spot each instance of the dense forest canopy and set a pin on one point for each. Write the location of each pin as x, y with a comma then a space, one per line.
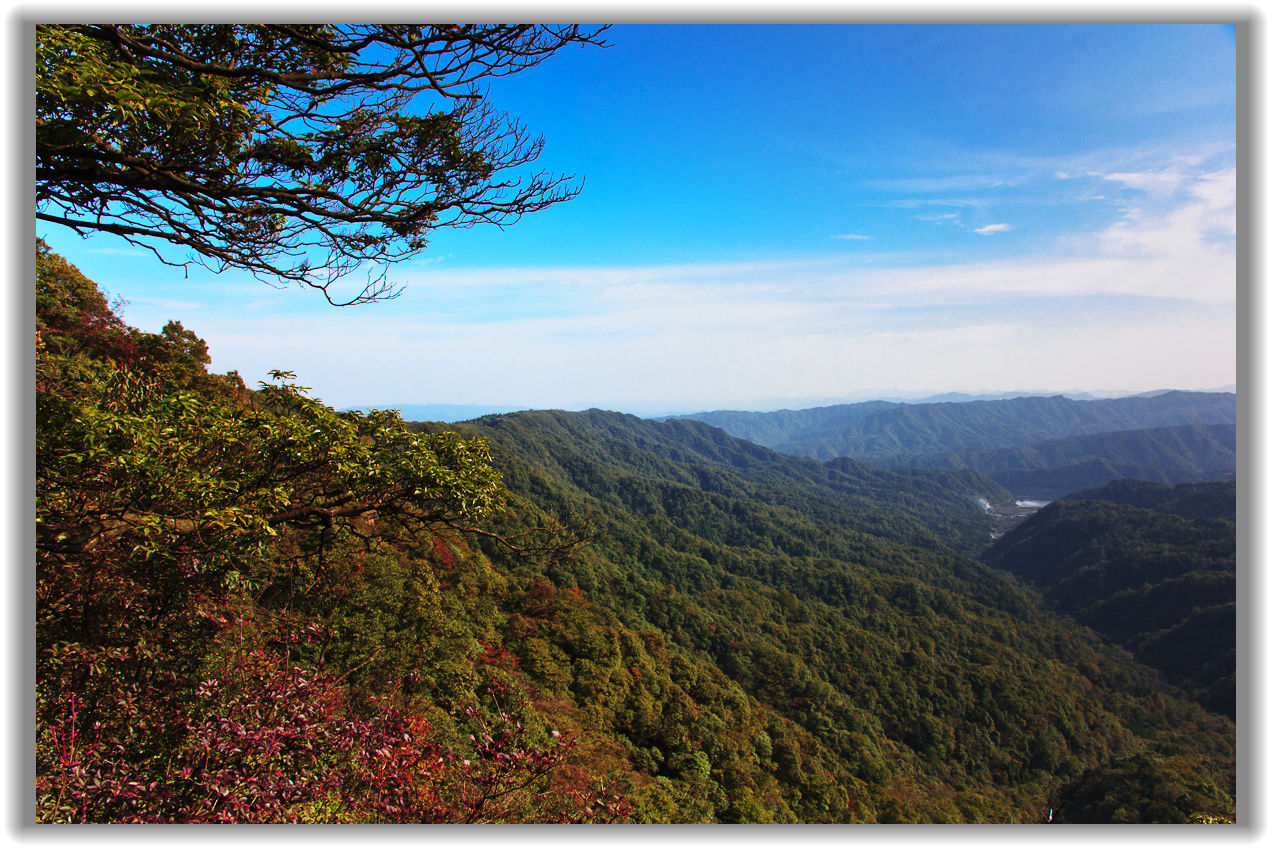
1151, 567
299, 153
194, 540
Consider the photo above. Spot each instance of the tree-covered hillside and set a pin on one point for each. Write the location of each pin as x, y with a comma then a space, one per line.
1188, 453
886, 647
1189, 500
252, 608
1162, 585
599, 450
877, 431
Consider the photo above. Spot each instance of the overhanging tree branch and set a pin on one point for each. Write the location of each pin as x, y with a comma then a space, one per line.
302, 154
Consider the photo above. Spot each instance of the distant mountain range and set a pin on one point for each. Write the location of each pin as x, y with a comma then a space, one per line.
1039, 446
454, 412
445, 412
1189, 453
875, 430
1033, 446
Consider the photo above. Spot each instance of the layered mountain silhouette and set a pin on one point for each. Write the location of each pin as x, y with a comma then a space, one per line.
1033, 446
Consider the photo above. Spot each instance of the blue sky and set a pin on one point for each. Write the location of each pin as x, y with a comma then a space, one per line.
780, 215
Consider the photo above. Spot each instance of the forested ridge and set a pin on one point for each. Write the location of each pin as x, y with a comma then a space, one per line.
1187, 453
894, 434
253, 608
1216, 499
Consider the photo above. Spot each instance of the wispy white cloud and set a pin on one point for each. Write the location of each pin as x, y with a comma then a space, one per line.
581, 275
807, 341
1159, 183
814, 327
988, 179
1202, 224
967, 202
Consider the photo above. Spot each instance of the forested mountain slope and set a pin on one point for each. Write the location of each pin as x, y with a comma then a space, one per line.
935, 683
253, 608
1188, 500
1162, 585
1187, 453
875, 431
613, 455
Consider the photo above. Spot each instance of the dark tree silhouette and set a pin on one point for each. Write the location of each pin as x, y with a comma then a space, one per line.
299, 153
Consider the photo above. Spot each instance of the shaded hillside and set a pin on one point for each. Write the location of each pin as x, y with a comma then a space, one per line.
1189, 500
612, 455
1159, 584
785, 427
1187, 453
875, 431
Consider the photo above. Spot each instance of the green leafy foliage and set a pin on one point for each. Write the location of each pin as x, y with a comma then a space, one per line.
187, 532
296, 152
1147, 789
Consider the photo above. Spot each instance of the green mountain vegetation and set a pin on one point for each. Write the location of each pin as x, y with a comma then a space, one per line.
595, 449
1187, 453
1189, 500
253, 608
883, 433
1160, 584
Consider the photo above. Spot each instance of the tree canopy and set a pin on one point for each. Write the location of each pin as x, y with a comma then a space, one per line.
298, 153
201, 550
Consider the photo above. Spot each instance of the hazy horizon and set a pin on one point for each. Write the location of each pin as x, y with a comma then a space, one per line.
450, 413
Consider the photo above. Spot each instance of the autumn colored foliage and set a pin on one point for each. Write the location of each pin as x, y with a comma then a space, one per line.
188, 532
